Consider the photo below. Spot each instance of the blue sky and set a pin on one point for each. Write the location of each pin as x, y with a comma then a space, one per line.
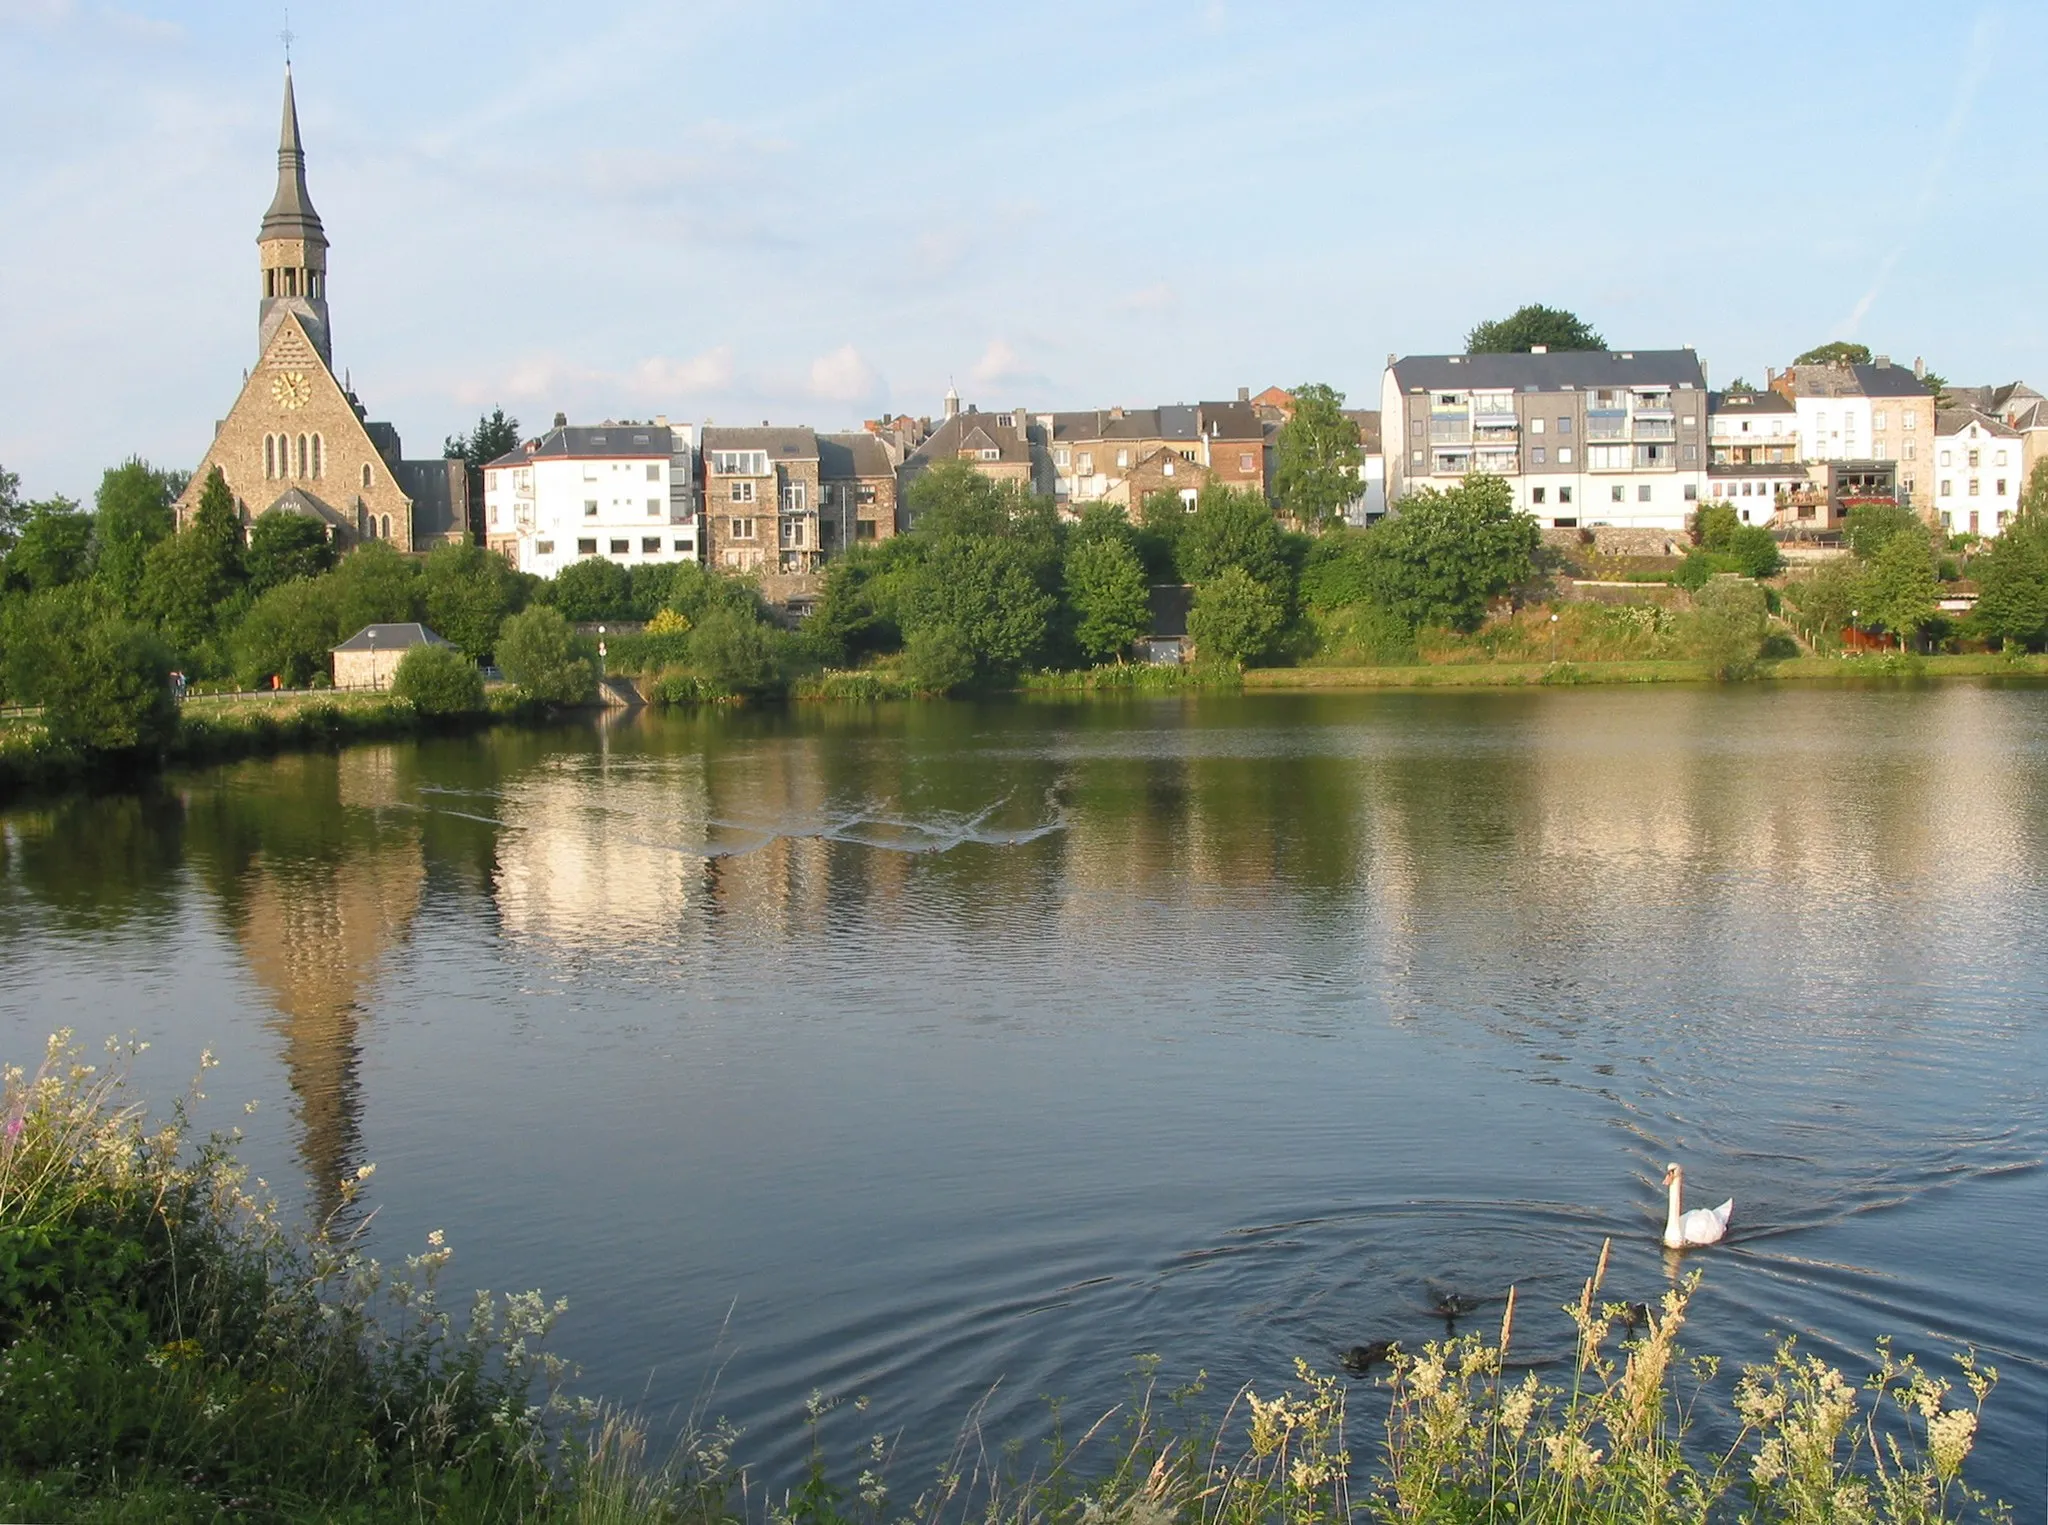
818, 213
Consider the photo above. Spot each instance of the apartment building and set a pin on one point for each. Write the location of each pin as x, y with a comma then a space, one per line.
1863, 424
762, 499
1977, 464
1754, 461
856, 489
1586, 437
622, 491
1095, 452
1006, 447
2019, 407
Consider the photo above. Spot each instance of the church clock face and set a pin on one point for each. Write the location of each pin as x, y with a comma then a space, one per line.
292, 390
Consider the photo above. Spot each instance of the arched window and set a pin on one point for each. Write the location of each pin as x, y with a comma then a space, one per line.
366, 473
301, 460
317, 452
387, 528
269, 457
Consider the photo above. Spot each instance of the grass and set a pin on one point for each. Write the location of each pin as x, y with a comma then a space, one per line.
169, 1352
1482, 674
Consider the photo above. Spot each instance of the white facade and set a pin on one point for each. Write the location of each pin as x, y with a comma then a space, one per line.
1977, 474
623, 492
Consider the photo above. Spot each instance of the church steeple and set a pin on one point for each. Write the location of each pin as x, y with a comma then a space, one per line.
291, 242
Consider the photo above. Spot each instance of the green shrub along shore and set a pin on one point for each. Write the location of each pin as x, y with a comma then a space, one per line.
990, 590
171, 1351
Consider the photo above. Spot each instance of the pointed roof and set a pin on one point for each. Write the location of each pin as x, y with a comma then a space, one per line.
291, 213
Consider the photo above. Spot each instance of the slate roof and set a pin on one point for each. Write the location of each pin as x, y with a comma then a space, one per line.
782, 444
1554, 372
955, 434
1956, 420
1368, 421
1854, 381
845, 456
440, 496
595, 441
291, 213
296, 500
391, 638
1749, 402
1232, 421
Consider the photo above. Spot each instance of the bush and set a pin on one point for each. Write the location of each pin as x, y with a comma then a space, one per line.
1234, 618
938, 659
439, 680
1728, 627
593, 589
109, 690
1364, 635
543, 657
1754, 551
733, 653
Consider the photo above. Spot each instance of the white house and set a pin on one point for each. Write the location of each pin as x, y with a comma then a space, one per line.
1754, 463
1584, 437
622, 491
1978, 462
1877, 413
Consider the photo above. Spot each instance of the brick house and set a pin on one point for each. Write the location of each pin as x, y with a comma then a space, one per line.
761, 499
857, 490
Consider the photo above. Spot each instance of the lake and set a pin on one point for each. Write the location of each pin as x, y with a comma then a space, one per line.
953, 1052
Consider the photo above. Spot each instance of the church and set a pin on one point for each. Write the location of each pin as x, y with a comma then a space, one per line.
297, 440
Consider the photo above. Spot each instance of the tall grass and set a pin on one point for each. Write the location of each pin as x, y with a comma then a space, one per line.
170, 1351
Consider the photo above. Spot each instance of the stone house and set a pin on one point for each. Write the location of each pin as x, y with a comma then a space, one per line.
857, 490
1005, 447
762, 494
297, 439
370, 657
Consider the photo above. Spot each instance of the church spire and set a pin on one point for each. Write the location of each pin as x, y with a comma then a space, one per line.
291, 242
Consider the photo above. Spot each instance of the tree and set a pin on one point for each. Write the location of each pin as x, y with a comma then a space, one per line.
36, 630
495, 434
439, 680
1338, 571
1231, 527
1712, 524
1235, 617
1739, 388
735, 653
1936, 384
1836, 352
10, 507
2012, 587
1444, 556
696, 590
191, 582
1552, 327
466, 592
1163, 520
285, 546
1107, 592
1825, 598
593, 589
938, 660
1869, 526
53, 546
1316, 457
374, 585
132, 512
1899, 591
648, 587
544, 658
861, 611
982, 589
109, 690
1729, 618
289, 631
1754, 550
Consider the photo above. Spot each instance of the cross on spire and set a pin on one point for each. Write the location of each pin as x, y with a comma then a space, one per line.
287, 36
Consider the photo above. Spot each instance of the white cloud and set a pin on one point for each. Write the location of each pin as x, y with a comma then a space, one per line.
707, 372
843, 376
997, 363
556, 382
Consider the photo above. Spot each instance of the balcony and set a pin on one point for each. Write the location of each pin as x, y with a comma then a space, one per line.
1490, 431
1450, 431
1606, 424
1497, 463
1452, 463
1650, 427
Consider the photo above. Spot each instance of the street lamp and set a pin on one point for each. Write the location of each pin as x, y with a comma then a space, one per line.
375, 681
600, 651
1553, 637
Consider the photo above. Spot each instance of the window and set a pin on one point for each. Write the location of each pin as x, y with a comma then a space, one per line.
1123, 459
1536, 495
1717, 489
1948, 487
863, 529
2001, 487
1973, 487
1564, 495
586, 548
1564, 455
654, 508
366, 473
1998, 459
1689, 452
269, 457
1643, 493
1415, 458
682, 546
740, 463
1692, 492
590, 508
319, 456
743, 529
742, 492
1167, 469
794, 498
1910, 446
621, 547
387, 527
1564, 426
1244, 460
1062, 458
1973, 459
1415, 428
1537, 458
653, 471
1910, 420
1878, 421
1535, 426
1087, 466
543, 548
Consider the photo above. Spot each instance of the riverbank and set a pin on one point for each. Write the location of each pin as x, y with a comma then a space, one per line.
174, 1352
1661, 670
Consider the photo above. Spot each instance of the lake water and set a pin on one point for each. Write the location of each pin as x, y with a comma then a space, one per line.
933, 1053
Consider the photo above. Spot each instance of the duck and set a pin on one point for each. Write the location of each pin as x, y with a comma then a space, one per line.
1360, 1359
1454, 1305
1703, 1225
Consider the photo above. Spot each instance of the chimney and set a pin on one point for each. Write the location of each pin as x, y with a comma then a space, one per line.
1391, 358
561, 420
1023, 422
1883, 362
1244, 394
1919, 369
661, 420
1116, 411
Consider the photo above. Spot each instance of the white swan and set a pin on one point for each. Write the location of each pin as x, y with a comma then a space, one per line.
1703, 1225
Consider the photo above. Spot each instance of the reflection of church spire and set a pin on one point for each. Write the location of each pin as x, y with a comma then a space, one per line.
292, 243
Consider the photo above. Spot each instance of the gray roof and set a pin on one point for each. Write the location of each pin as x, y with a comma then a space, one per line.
1554, 372
1956, 420
439, 490
1749, 402
296, 500
391, 638
599, 441
1368, 421
1232, 420
844, 456
1854, 381
968, 431
798, 443
291, 213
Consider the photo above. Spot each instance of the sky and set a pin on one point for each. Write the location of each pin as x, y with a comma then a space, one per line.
819, 213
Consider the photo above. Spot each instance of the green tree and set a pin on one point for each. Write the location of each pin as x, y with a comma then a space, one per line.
1728, 623
593, 589
1825, 597
1754, 550
1106, 589
53, 546
1899, 592
285, 546
132, 512
938, 660
1338, 570
543, 657
1235, 617
861, 610
649, 587
1233, 528
10, 507
495, 434
1868, 526
466, 592
109, 690
983, 589
1525, 328
439, 680
1443, 557
374, 585
736, 653
696, 590
2012, 587
1739, 388
1836, 352
1936, 384
36, 629
192, 582
1713, 524
289, 631
1316, 457
1163, 520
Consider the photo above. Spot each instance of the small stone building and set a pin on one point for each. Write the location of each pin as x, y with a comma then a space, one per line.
370, 657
